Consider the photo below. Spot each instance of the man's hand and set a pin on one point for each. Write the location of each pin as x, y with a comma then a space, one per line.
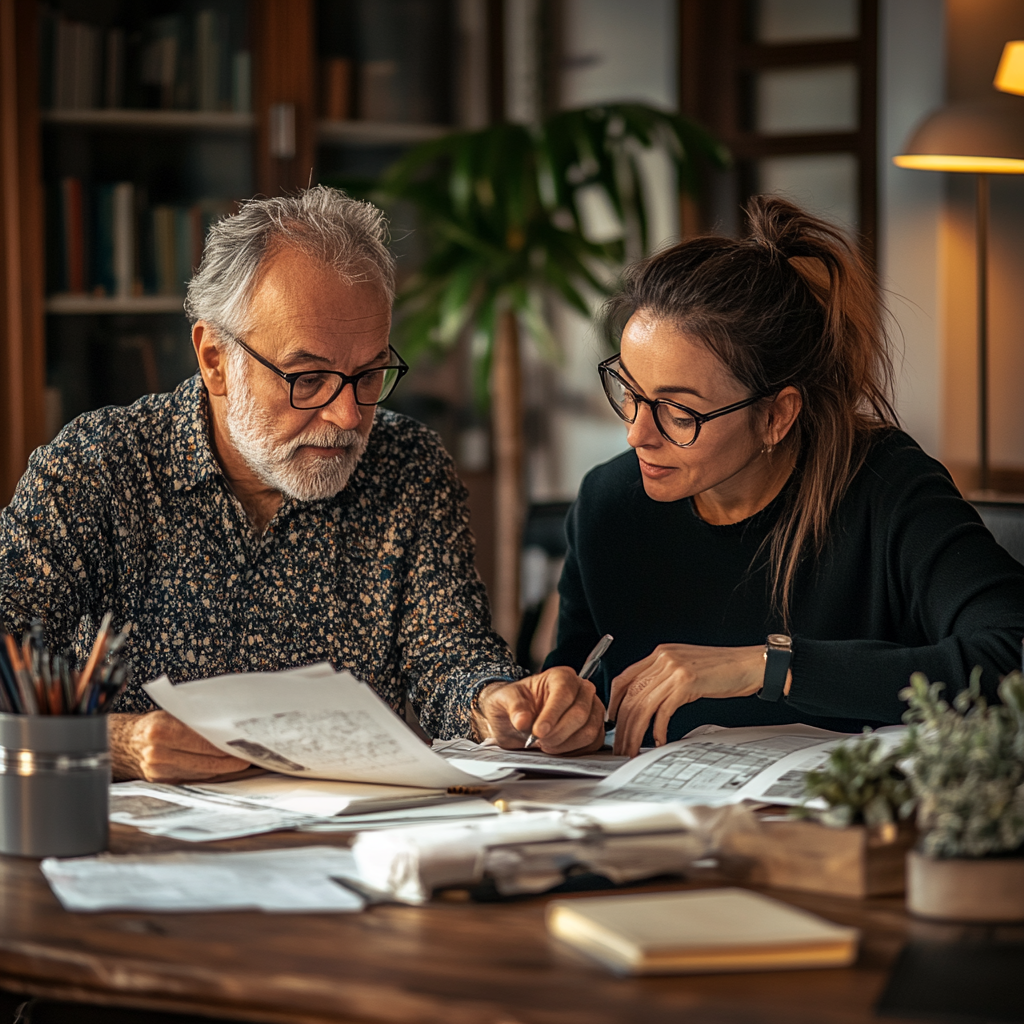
560, 709
650, 691
158, 748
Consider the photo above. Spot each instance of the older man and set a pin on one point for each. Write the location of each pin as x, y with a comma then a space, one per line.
265, 515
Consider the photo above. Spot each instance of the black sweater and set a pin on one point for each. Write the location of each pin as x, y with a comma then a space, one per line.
910, 580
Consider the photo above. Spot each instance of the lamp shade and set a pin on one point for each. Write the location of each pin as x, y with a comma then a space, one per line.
984, 136
1010, 73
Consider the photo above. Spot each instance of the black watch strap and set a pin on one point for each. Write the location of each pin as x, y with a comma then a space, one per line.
778, 653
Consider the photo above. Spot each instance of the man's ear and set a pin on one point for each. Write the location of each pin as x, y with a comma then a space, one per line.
212, 364
782, 415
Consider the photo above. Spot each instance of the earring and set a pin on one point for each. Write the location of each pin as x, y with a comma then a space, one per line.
767, 449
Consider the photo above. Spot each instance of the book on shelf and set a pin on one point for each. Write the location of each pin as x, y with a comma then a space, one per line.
113, 243
387, 61
178, 61
336, 73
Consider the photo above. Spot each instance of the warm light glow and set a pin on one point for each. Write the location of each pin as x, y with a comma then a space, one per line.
975, 164
1010, 73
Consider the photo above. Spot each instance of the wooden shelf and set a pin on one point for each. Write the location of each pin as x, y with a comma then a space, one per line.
378, 133
67, 305
155, 120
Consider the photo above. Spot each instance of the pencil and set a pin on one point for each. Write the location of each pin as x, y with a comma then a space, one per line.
96, 655
21, 678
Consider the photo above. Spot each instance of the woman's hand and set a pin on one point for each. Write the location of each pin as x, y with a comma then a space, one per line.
674, 675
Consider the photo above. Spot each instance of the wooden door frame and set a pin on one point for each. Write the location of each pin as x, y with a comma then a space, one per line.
713, 57
22, 352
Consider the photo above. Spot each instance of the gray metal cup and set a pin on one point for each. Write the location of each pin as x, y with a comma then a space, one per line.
54, 785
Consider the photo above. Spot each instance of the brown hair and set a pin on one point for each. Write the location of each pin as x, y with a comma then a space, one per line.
794, 303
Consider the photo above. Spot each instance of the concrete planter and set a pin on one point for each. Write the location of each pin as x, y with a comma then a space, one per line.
966, 889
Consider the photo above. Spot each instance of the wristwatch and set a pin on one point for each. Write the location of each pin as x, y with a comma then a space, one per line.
778, 653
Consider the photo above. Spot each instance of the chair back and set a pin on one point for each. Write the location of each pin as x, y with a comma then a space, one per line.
1005, 520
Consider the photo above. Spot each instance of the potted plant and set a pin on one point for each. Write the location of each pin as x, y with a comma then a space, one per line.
965, 766
504, 214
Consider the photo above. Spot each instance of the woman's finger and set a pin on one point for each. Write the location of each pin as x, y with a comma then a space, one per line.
634, 715
621, 683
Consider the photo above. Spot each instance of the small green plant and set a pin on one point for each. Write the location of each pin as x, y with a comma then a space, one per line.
966, 767
862, 785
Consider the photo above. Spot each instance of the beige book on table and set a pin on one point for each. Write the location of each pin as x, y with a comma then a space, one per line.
701, 931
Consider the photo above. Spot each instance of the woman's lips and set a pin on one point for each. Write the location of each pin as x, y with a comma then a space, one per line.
654, 472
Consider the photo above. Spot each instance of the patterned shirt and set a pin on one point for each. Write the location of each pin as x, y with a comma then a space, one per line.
128, 510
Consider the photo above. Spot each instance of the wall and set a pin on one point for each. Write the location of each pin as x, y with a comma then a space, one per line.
977, 30
613, 51
911, 70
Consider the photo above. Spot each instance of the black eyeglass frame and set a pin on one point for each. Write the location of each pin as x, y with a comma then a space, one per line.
353, 379
604, 368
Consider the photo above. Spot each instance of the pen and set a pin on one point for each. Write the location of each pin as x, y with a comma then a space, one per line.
590, 666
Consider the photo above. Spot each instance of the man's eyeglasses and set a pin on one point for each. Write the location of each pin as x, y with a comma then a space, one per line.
676, 423
313, 389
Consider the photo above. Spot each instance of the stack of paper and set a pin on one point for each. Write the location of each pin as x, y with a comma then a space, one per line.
302, 879
179, 813
467, 755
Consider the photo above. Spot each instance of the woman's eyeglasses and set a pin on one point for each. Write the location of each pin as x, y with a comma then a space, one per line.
676, 423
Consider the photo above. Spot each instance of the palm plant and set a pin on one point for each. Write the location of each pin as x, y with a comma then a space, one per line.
504, 213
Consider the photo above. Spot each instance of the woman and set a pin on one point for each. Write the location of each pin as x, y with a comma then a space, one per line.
769, 491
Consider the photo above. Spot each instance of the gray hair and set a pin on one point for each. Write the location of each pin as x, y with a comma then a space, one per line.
331, 228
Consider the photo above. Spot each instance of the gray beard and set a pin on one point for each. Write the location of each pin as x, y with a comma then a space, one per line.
278, 465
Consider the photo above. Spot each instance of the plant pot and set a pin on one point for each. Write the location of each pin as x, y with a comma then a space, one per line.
966, 889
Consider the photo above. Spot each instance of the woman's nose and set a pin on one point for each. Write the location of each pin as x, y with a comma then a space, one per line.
643, 431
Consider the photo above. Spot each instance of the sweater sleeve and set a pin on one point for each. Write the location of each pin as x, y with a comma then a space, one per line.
958, 594
449, 651
57, 563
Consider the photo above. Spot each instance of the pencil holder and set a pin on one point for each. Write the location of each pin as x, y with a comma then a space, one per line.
54, 783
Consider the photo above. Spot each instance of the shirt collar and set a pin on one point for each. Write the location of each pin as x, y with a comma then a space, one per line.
191, 454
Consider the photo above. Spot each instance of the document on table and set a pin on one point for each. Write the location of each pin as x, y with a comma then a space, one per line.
724, 766
196, 817
459, 752
313, 722
451, 810
319, 797
300, 879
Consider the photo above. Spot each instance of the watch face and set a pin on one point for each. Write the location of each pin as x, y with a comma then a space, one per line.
780, 640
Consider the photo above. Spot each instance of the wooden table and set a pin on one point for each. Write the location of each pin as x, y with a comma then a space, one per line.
450, 962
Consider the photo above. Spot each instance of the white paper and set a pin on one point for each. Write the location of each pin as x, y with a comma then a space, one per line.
766, 763
174, 811
318, 797
463, 753
449, 810
276, 880
311, 722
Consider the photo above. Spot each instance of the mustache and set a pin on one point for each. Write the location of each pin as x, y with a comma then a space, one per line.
324, 436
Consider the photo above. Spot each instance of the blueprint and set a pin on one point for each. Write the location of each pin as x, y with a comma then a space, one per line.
724, 766
313, 722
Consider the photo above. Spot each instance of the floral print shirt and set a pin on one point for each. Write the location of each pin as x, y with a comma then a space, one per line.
128, 510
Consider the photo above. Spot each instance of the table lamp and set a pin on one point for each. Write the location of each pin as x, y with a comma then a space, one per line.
982, 138
1010, 73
